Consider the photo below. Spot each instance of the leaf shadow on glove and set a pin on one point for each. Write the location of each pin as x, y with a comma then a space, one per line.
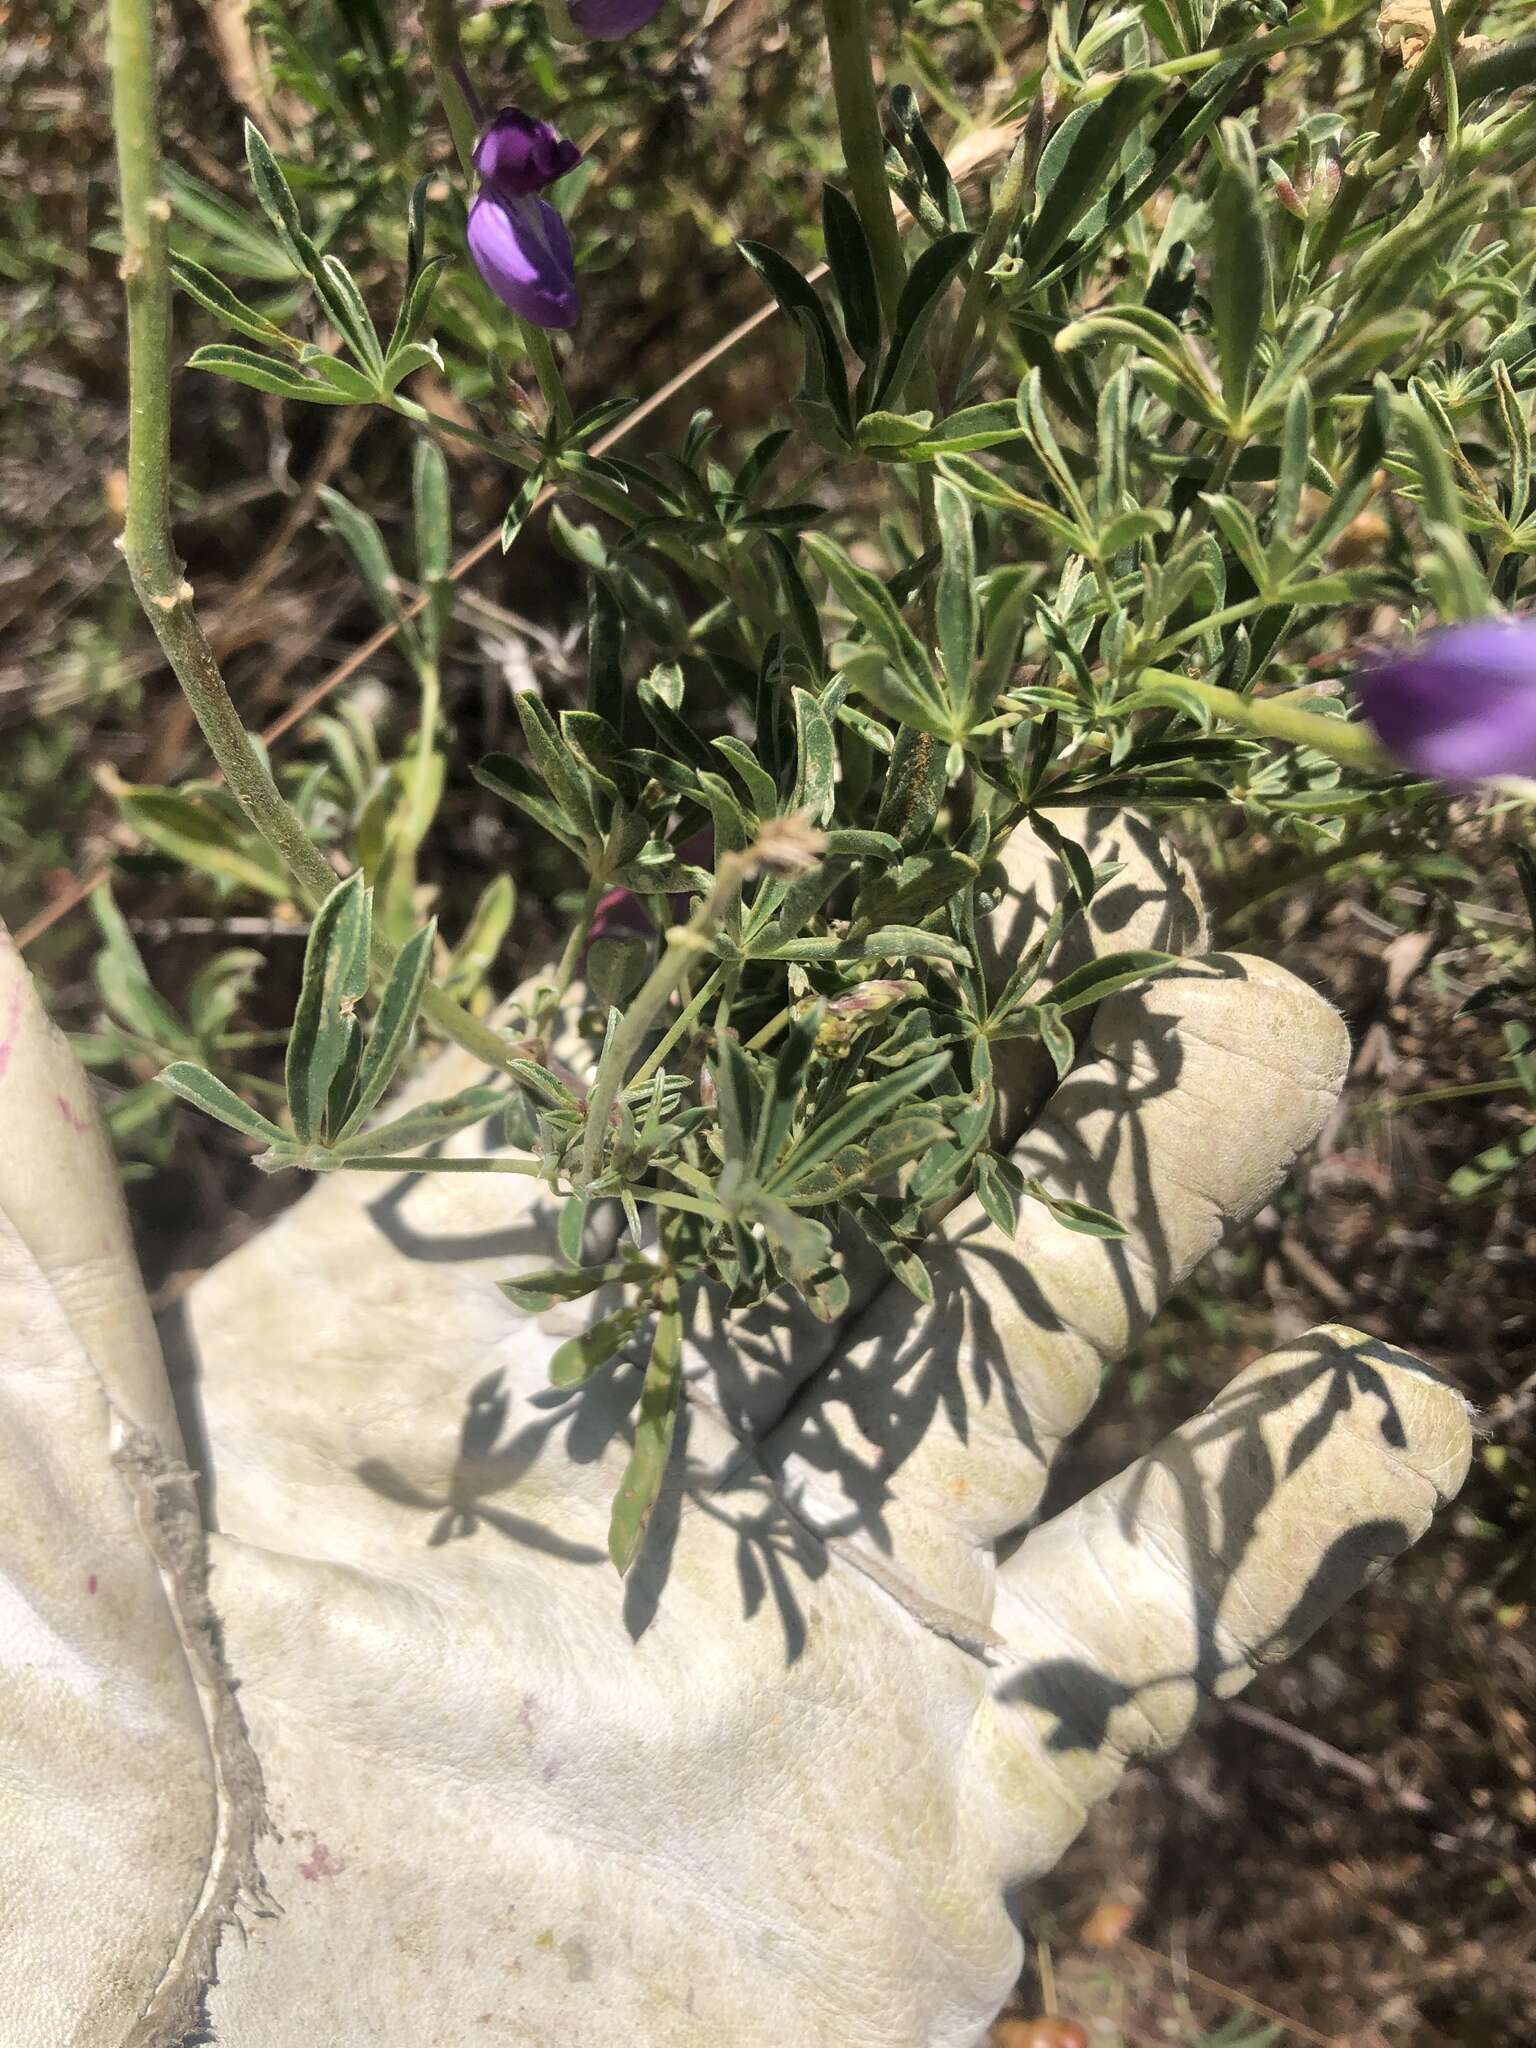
1218, 1527
959, 1353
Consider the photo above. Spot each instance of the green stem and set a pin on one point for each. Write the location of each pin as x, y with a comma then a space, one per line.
680, 1024
770, 1031
441, 24
858, 121
1351, 744
647, 1006
576, 944
540, 351
147, 543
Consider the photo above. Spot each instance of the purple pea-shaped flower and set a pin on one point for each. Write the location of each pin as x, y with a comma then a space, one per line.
1461, 707
608, 20
519, 242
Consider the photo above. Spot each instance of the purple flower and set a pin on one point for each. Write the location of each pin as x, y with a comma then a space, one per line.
1461, 707
607, 20
518, 155
519, 242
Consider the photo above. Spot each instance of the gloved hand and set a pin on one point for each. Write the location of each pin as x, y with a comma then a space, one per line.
430, 1775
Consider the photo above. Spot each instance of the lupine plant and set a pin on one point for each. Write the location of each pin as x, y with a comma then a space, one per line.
1094, 489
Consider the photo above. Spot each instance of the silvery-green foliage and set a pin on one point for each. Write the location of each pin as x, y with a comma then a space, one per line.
1224, 363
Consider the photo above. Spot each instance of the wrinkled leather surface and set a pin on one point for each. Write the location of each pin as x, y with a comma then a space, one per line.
773, 1788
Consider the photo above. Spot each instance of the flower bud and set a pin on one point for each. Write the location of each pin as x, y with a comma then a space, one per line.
1462, 707
518, 154
607, 20
519, 243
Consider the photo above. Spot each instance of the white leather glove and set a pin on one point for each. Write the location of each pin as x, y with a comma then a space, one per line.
771, 1791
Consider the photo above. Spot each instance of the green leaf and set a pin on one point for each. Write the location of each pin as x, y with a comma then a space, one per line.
543, 1086
1077, 162
1078, 1216
1096, 979
205, 1092
1492, 1167
353, 384
755, 778
802, 606
938, 185
888, 433
916, 886
195, 830
1056, 1037
335, 980
605, 654
392, 1027
782, 1096
853, 273
428, 1125
875, 609
905, 942
359, 533
538, 1291
123, 980
579, 1359
216, 297
1295, 463
999, 1186
1426, 447
264, 373
956, 601
482, 939
1000, 644
272, 193
859, 1111
738, 1098
506, 777
415, 305
914, 788
1239, 281
858, 1167
572, 1228
431, 512
921, 297
557, 764
815, 759
826, 378
904, 1263
344, 302
733, 829
523, 501
654, 1428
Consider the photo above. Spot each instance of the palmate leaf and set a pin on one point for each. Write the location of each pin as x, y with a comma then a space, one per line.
858, 1113
854, 1168
392, 1027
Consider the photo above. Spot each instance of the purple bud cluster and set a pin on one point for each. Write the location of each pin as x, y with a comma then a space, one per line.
521, 246
519, 242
